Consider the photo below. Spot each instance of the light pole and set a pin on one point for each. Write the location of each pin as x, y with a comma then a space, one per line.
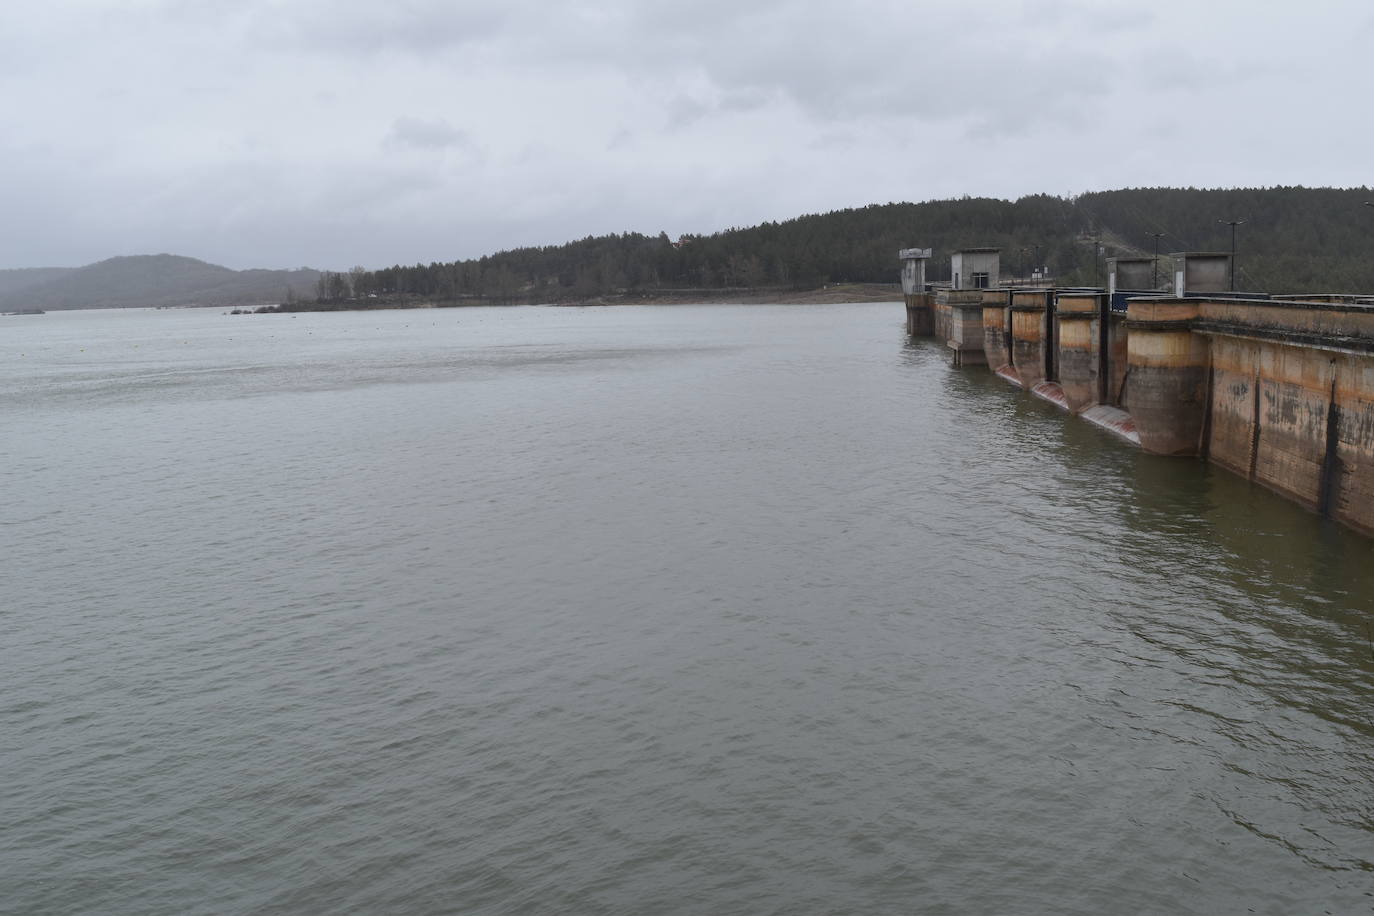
1022, 268
1233, 223
1154, 268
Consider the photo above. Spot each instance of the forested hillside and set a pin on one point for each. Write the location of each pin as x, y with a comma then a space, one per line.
1292, 240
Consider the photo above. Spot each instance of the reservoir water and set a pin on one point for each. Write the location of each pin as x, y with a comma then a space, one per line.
717, 610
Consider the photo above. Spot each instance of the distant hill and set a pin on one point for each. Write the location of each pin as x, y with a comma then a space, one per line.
12, 281
1293, 240
148, 280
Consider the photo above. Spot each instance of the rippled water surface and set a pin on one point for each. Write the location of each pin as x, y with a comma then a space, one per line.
646, 610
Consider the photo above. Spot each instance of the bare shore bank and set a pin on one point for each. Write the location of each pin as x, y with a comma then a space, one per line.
825, 295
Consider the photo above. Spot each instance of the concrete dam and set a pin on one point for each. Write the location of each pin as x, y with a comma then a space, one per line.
1277, 389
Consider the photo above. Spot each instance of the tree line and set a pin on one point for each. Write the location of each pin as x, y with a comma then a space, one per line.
1293, 239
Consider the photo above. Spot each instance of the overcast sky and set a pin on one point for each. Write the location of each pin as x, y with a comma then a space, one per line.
281, 133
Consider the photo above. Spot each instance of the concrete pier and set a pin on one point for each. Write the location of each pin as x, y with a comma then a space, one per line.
1080, 317
920, 314
959, 312
920, 304
1167, 366
997, 328
1032, 336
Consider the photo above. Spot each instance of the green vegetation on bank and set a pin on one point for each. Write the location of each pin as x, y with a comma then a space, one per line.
1294, 239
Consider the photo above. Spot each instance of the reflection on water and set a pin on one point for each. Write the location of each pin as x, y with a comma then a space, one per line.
688, 609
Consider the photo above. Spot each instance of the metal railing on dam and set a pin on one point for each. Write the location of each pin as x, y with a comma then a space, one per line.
1278, 390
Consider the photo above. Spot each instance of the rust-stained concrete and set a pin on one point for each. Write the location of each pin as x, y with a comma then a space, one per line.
1168, 375
1114, 420
1281, 392
1269, 413
959, 314
1327, 324
1079, 324
1349, 497
997, 327
940, 315
1235, 405
1052, 392
1030, 335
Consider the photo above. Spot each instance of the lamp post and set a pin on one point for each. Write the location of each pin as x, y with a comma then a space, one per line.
1022, 266
1154, 267
1233, 223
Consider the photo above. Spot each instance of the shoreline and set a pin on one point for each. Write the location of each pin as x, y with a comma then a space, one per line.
832, 294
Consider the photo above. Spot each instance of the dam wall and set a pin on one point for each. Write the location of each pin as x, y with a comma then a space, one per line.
1280, 391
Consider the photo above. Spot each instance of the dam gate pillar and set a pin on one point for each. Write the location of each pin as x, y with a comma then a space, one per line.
920, 304
1079, 320
1167, 375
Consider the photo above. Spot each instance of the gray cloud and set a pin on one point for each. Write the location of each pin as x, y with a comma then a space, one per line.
335, 132
324, 26
425, 134
684, 110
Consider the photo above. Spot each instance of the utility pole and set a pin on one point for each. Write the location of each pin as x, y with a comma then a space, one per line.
1233, 223
1154, 268
1037, 259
